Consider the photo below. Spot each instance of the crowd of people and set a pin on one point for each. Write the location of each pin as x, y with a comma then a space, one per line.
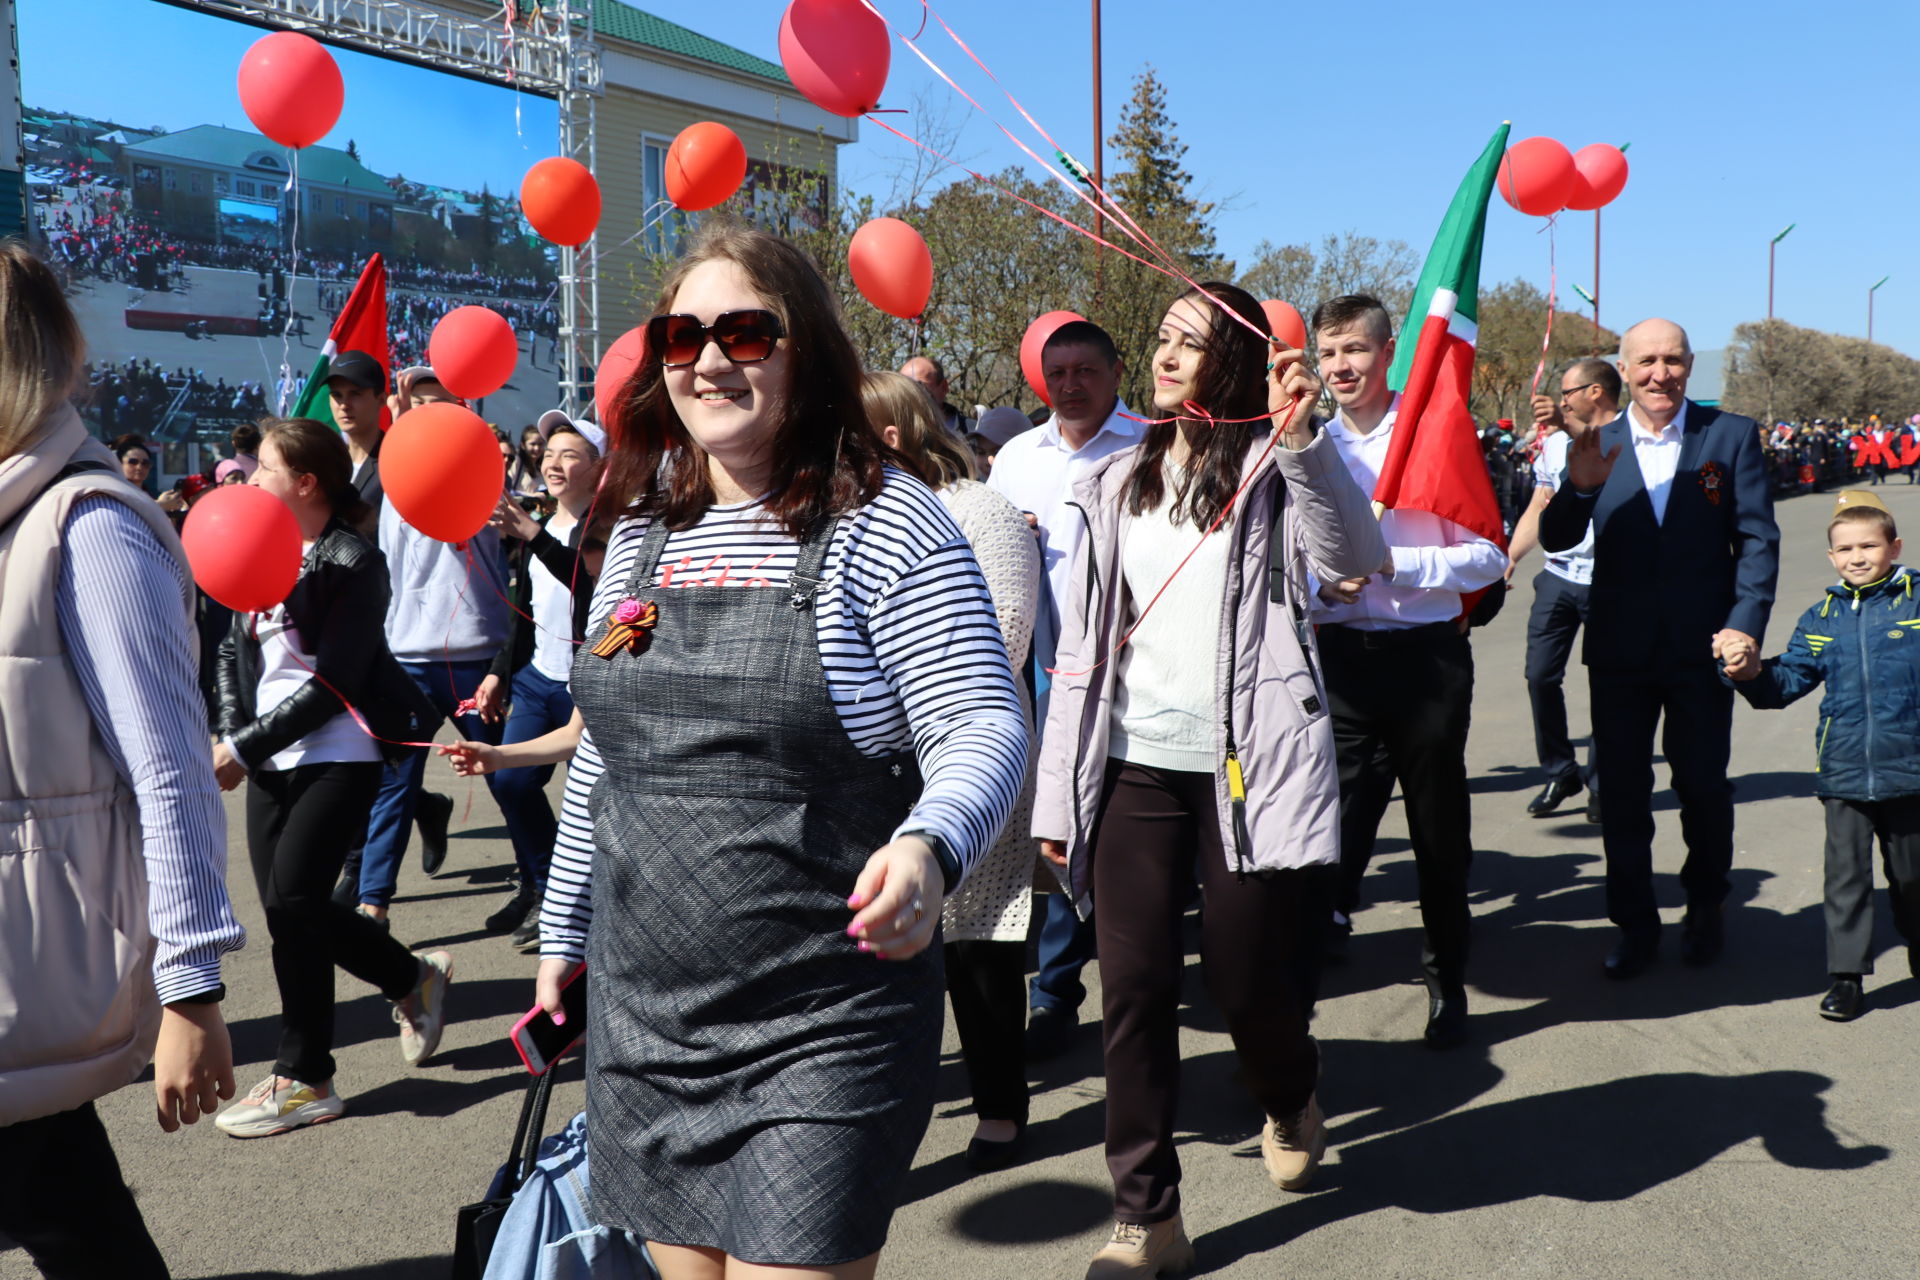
839, 673
134, 396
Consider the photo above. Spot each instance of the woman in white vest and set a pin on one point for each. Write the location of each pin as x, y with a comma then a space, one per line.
113, 899
287, 678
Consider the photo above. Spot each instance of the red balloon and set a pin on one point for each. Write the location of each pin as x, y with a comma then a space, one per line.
1286, 322
1537, 176
1600, 174
441, 469
561, 200
616, 366
837, 53
473, 352
892, 267
705, 165
291, 89
244, 546
1034, 342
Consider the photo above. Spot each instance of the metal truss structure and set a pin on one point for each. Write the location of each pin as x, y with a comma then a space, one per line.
550, 51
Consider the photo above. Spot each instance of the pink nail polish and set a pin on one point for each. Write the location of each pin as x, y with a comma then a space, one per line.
856, 902
864, 947
560, 1018
853, 930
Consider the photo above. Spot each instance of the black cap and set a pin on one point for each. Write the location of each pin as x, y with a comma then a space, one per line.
359, 368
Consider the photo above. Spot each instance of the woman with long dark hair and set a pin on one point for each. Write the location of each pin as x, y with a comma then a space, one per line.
801, 731
1187, 738
287, 678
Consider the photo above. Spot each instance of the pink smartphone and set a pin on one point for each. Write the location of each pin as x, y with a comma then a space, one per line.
539, 1041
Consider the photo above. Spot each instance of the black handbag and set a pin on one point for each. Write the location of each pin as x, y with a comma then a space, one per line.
476, 1225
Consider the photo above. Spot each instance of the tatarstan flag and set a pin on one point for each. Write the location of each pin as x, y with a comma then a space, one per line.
362, 326
1434, 461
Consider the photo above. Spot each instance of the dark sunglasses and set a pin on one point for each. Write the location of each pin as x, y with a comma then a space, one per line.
745, 337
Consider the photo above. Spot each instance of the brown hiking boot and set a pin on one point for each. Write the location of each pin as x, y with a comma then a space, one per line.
1292, 1147
1136, 1250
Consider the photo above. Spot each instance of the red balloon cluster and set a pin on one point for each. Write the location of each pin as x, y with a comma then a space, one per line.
837, 53
1034, 342
892, 267
441, 469
616, 367
243, 545
291, 89
705, 165
1539, 176
1287, 323
561, 200
473, 351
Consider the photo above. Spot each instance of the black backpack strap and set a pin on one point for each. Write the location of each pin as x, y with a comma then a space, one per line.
1276, 568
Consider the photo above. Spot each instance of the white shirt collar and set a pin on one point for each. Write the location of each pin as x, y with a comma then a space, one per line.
1637, 426
1117, 422
1339, 423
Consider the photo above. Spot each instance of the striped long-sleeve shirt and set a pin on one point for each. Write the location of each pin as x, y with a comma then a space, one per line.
911, 650
142, 686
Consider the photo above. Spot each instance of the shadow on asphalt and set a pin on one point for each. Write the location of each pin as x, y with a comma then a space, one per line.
1034, 1212
1600, 1143
434, 1268
359, 1019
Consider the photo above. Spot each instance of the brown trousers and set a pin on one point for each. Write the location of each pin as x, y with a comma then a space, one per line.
1260, 938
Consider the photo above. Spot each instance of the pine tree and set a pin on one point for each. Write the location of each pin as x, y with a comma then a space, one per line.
353, 152
1155, 189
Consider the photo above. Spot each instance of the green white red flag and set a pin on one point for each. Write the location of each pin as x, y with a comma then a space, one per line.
1434, 460
361, 326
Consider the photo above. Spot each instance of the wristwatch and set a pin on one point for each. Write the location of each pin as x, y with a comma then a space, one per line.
949, 862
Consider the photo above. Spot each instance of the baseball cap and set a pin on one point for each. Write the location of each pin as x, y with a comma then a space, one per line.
244, 465
194, 485
591, 432
359, 368
997, 426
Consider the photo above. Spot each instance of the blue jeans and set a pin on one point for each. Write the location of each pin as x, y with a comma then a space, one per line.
541, 704
1066, 944
445, 685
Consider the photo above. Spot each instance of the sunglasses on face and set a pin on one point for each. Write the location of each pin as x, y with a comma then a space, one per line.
745, 337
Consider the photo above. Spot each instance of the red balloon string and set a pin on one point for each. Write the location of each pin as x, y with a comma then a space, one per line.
1553, 285
1107, 204
1253, 473
1198, 413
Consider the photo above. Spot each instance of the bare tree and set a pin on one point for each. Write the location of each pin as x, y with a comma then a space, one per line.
1345, 263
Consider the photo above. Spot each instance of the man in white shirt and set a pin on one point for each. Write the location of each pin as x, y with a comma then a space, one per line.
1589, 396
1036, 471
1399, 669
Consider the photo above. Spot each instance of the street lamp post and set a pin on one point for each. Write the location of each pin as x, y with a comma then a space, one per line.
1871, 290
1767, 342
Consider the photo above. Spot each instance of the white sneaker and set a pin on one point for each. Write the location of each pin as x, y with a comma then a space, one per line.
423, 1014
278, 1104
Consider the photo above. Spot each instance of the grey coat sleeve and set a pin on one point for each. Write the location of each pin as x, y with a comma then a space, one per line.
1335, 526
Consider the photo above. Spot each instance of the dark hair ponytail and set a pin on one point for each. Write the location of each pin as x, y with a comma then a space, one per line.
315, 449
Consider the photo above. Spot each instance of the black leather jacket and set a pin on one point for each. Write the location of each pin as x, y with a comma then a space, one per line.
340, 609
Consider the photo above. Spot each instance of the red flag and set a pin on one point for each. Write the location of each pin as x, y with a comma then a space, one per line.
361, 326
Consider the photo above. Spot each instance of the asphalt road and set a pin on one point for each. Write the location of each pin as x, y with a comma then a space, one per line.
1690, 1124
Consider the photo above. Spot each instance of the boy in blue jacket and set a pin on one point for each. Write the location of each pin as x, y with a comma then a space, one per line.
1863, 642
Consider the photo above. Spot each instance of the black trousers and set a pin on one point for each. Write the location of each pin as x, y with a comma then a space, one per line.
987, 986
1260, 941
63, 1199
1400, 703
1559, 610
1852, 827
1697, 708
299, 825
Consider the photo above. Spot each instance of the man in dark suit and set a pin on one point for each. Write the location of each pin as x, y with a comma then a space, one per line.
1685, 554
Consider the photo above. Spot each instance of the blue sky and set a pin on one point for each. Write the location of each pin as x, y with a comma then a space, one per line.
143, 63
1300, 120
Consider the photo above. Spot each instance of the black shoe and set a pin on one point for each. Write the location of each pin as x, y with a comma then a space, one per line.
1447, 1018
1704, 938
1554, 794
1593, 807
527, 936
1631, 956
512, 912
1049, 1031
433, 814
1844, 999
1339, 939
990, 1157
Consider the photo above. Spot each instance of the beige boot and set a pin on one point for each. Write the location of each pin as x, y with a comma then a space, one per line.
1156, 1249
1292, 1147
